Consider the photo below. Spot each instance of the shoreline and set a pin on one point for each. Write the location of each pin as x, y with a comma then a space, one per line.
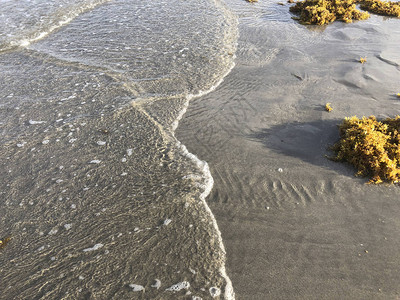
296, 225
202, 165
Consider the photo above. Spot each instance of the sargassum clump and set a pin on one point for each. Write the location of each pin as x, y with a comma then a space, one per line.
320, 12
385, 8
371, 146
4, 242
328, 107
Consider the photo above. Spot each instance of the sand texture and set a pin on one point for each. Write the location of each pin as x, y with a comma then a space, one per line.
295, 224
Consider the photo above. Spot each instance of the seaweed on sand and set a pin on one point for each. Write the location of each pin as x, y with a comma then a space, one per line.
371, 146
378, 7
328, 107
4, 242
320, 12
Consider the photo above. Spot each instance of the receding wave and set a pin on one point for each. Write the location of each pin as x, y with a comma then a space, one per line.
90, 164
37, 20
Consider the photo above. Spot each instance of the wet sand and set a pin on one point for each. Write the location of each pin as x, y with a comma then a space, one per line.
295, 224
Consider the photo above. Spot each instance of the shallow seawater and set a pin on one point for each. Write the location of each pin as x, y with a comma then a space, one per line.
100, 199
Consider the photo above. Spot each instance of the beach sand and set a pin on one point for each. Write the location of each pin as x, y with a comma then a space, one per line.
295, 224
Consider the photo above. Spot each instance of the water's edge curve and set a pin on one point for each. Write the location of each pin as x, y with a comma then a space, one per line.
202, 165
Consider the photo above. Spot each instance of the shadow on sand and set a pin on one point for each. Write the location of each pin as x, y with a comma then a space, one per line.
308, 141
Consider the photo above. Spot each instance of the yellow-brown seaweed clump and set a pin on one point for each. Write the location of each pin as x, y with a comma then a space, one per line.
4, 242
320, 12
328, 107
372, 146
378, 7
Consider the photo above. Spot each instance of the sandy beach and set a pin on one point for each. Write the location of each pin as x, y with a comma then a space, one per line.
177, 150
295, 224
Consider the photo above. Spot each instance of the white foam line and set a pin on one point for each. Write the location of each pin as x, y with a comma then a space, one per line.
208, 182
27, 42
207, 187
199, 94
67, 19
229, 293
208, 179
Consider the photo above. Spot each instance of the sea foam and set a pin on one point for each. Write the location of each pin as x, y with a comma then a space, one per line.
208, 181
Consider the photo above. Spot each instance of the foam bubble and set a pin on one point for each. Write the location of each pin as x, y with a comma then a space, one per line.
32, 122
95, 161
167, 221
214, 292
156, 284
67, 226
136, 287
53, 231
95, 247
179, 286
